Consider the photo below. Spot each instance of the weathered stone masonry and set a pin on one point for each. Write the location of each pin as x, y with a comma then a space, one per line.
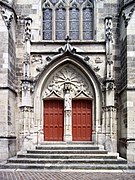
30, 69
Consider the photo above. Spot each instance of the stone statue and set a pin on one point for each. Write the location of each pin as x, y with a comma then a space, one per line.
67, 101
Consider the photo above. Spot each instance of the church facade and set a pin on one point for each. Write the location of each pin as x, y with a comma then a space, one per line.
67, 73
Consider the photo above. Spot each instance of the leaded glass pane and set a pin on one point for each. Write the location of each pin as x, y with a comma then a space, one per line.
87, 26
87, 23
74, 35
47, 14
47, 24
74, 26
74, 23
47, 35
60, 24
60, 35
60, 14
87, 35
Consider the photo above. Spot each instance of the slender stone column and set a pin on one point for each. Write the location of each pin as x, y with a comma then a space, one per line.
67, 115
26, 106
109, 85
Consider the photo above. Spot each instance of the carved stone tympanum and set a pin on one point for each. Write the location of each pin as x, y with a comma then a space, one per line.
67, 75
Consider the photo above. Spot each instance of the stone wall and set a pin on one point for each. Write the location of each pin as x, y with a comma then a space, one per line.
7, 83
12, 60
127, 89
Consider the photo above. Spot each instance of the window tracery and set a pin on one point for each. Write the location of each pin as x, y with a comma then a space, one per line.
73, 18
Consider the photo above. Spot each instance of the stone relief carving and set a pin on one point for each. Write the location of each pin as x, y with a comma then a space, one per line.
98, 60
68, 75
37, 59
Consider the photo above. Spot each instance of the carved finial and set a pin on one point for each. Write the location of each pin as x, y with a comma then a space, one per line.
67, 39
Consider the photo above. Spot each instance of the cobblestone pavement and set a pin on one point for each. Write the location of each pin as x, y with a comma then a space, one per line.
31, 175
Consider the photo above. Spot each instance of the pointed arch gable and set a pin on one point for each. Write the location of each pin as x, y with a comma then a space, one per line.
82, 67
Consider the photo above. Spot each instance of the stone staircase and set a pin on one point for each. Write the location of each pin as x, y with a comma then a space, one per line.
66, 156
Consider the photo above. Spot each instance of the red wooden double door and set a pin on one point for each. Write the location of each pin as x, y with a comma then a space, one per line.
81, 120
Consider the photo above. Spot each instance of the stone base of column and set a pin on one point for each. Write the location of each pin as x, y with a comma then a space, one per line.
67, 138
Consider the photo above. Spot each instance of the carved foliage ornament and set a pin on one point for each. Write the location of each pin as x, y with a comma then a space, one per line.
127, 15
27, 34
7, 16
108, 27
68, 75
37, 59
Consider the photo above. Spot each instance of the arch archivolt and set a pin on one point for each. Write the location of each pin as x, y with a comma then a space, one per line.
68, 79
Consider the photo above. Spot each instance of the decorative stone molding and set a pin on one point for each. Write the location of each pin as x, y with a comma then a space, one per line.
98, 60
26, 58
110, 86
37, 59
109, 108
27, 34
96, 69
7, 16
26, 109
68, 75
86, 58
26, 86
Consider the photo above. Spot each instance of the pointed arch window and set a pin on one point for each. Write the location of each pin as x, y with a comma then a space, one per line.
74, 18
74, 22
47, 23
60, 22
88, 20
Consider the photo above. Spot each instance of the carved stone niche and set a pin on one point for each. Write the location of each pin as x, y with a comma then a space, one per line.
68, 78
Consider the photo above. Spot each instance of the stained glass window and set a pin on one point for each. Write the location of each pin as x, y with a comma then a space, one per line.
74, 23
87, 23
60, 23
47, 24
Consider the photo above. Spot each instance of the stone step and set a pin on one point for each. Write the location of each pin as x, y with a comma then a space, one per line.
66, 151
67, 156
67, 161
67, 143
67, 147
63, 156
77, 166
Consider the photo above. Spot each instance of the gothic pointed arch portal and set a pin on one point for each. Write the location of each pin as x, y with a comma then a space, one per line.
67, 106
69, 99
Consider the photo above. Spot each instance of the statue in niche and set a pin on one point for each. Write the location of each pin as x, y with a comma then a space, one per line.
67, 101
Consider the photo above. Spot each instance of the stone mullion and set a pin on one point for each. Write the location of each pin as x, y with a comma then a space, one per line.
53, 24
67, 21
81, 24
